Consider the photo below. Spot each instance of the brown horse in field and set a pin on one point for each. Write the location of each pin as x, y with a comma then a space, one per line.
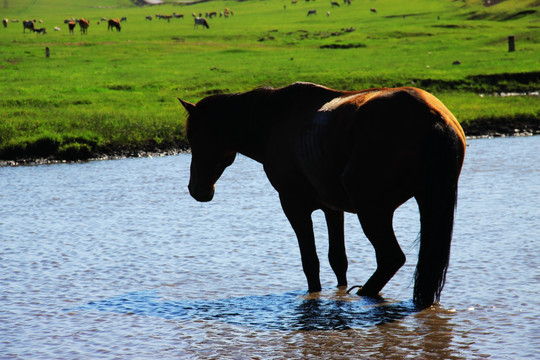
84, 24
365, 152
114, 24
71, 26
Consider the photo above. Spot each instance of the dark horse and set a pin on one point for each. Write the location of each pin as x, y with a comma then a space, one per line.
114, 24
365, 152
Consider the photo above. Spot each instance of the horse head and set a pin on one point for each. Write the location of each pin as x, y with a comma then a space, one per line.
210, 154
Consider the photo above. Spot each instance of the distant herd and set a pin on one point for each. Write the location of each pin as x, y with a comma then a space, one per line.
115, 24
84, 24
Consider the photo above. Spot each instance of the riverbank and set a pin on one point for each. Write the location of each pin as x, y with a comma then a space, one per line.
496, 127
488, 128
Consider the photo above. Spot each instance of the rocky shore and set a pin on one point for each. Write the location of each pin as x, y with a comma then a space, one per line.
483, 128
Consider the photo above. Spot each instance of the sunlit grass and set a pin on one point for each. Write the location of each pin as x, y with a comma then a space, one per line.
119, 90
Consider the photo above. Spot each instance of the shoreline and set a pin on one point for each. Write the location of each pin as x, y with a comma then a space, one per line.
480, 129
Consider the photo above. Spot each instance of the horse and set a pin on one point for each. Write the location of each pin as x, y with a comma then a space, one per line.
84, 24
71, 26
5, 22
201, 21
312, 12
28, 24
365, 152
114, 24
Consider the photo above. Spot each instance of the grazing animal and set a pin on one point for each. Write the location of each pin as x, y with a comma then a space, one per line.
373, 10
84, 24
364, 152
178, 16
28, 24
312, 12
42, 31
57, 28
123, 19
71, 26
114, 24
5, 22
201, 21
335, 3
148, 17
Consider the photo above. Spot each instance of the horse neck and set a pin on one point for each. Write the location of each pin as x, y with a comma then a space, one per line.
252, 118
250, 121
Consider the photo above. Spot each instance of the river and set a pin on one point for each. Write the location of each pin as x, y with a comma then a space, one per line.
114, 260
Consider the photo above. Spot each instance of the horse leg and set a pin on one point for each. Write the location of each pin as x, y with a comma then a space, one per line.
336, 252
377, 226
300, 219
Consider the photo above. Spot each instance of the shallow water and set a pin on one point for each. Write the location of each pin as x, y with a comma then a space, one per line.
113, 259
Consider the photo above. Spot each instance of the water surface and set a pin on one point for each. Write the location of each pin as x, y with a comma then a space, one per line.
113, 259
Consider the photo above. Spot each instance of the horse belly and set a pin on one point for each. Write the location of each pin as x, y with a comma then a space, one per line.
329, 191
322, 163
384, 169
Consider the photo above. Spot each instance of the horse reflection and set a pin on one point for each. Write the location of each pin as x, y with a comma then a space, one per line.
315, 314
286, 312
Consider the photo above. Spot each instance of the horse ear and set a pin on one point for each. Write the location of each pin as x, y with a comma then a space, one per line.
187, 105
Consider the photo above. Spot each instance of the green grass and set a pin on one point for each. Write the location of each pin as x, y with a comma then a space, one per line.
108, 91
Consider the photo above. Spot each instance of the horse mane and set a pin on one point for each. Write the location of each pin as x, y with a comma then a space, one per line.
264, 102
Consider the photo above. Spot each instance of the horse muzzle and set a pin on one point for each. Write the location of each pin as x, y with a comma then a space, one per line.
202, 195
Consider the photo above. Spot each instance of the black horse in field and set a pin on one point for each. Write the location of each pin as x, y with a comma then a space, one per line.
28, 24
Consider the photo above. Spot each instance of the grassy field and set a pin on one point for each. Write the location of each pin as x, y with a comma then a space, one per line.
111, 92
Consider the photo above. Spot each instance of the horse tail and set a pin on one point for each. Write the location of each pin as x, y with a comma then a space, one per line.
437, 201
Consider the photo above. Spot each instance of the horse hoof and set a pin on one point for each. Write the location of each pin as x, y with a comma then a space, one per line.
354, 287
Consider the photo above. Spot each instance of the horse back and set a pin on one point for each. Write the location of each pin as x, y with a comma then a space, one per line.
374, 135
394, 112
